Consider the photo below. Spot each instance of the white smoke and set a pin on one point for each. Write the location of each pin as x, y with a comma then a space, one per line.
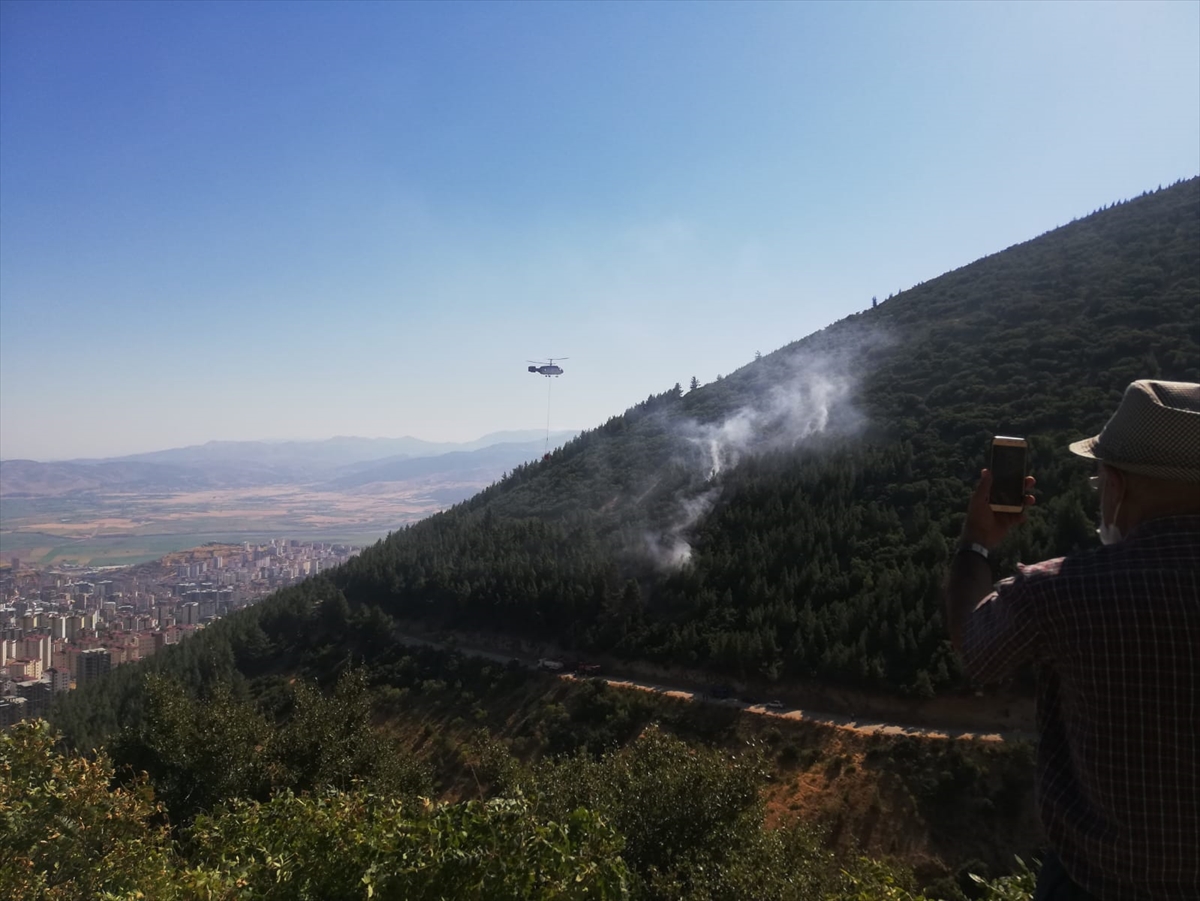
671, 550
781, 417
804, 396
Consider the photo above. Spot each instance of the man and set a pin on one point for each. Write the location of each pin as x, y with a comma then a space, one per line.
1116, 634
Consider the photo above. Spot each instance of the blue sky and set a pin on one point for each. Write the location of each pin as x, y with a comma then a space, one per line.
277, 221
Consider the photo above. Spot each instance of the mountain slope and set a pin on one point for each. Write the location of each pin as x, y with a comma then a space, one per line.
28, 478
794, 518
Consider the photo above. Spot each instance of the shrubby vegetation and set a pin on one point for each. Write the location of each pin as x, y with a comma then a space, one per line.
691, 820
66, 834
657, 820
203, 751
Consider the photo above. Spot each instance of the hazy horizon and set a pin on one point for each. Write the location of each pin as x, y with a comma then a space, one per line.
282, 222
534, 436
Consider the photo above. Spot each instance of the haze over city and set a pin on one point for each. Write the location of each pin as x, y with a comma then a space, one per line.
269, 221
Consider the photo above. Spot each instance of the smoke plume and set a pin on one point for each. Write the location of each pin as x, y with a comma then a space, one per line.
792, 400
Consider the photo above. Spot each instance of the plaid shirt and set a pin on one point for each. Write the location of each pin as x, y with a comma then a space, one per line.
1116, 631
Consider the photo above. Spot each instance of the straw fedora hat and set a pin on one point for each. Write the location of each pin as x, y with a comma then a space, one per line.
1155, 432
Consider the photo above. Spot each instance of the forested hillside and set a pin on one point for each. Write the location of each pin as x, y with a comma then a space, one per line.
794, 518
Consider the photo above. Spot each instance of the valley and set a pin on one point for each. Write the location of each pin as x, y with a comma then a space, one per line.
350, 491
119, 529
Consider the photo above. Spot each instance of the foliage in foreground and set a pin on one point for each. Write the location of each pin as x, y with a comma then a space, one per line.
692, 821
355, 845
66, 835
658, 820
200, 752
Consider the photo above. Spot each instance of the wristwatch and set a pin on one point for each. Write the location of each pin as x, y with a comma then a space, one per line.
973, 547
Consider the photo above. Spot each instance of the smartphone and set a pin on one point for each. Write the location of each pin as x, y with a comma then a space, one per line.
1008, 474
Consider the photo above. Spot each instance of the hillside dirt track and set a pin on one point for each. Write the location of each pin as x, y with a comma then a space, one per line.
861, 725
852, 723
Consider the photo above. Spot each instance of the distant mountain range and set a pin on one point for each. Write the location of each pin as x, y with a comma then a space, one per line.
333, 464
494, 458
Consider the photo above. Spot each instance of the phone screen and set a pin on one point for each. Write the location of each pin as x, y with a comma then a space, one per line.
1008, 475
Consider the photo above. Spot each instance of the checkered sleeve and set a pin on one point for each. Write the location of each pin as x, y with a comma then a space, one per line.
1002, 631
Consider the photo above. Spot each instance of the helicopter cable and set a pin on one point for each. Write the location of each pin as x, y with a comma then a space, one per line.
549, 384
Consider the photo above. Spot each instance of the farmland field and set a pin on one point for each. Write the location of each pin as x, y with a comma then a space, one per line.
119, 529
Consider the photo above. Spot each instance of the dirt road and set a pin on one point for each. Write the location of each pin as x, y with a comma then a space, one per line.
860, 725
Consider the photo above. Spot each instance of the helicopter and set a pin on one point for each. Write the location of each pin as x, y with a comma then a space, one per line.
548, 368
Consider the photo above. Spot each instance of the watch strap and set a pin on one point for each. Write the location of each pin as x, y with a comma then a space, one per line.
973, 547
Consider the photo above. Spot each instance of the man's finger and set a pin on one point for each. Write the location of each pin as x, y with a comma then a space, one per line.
984, 485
